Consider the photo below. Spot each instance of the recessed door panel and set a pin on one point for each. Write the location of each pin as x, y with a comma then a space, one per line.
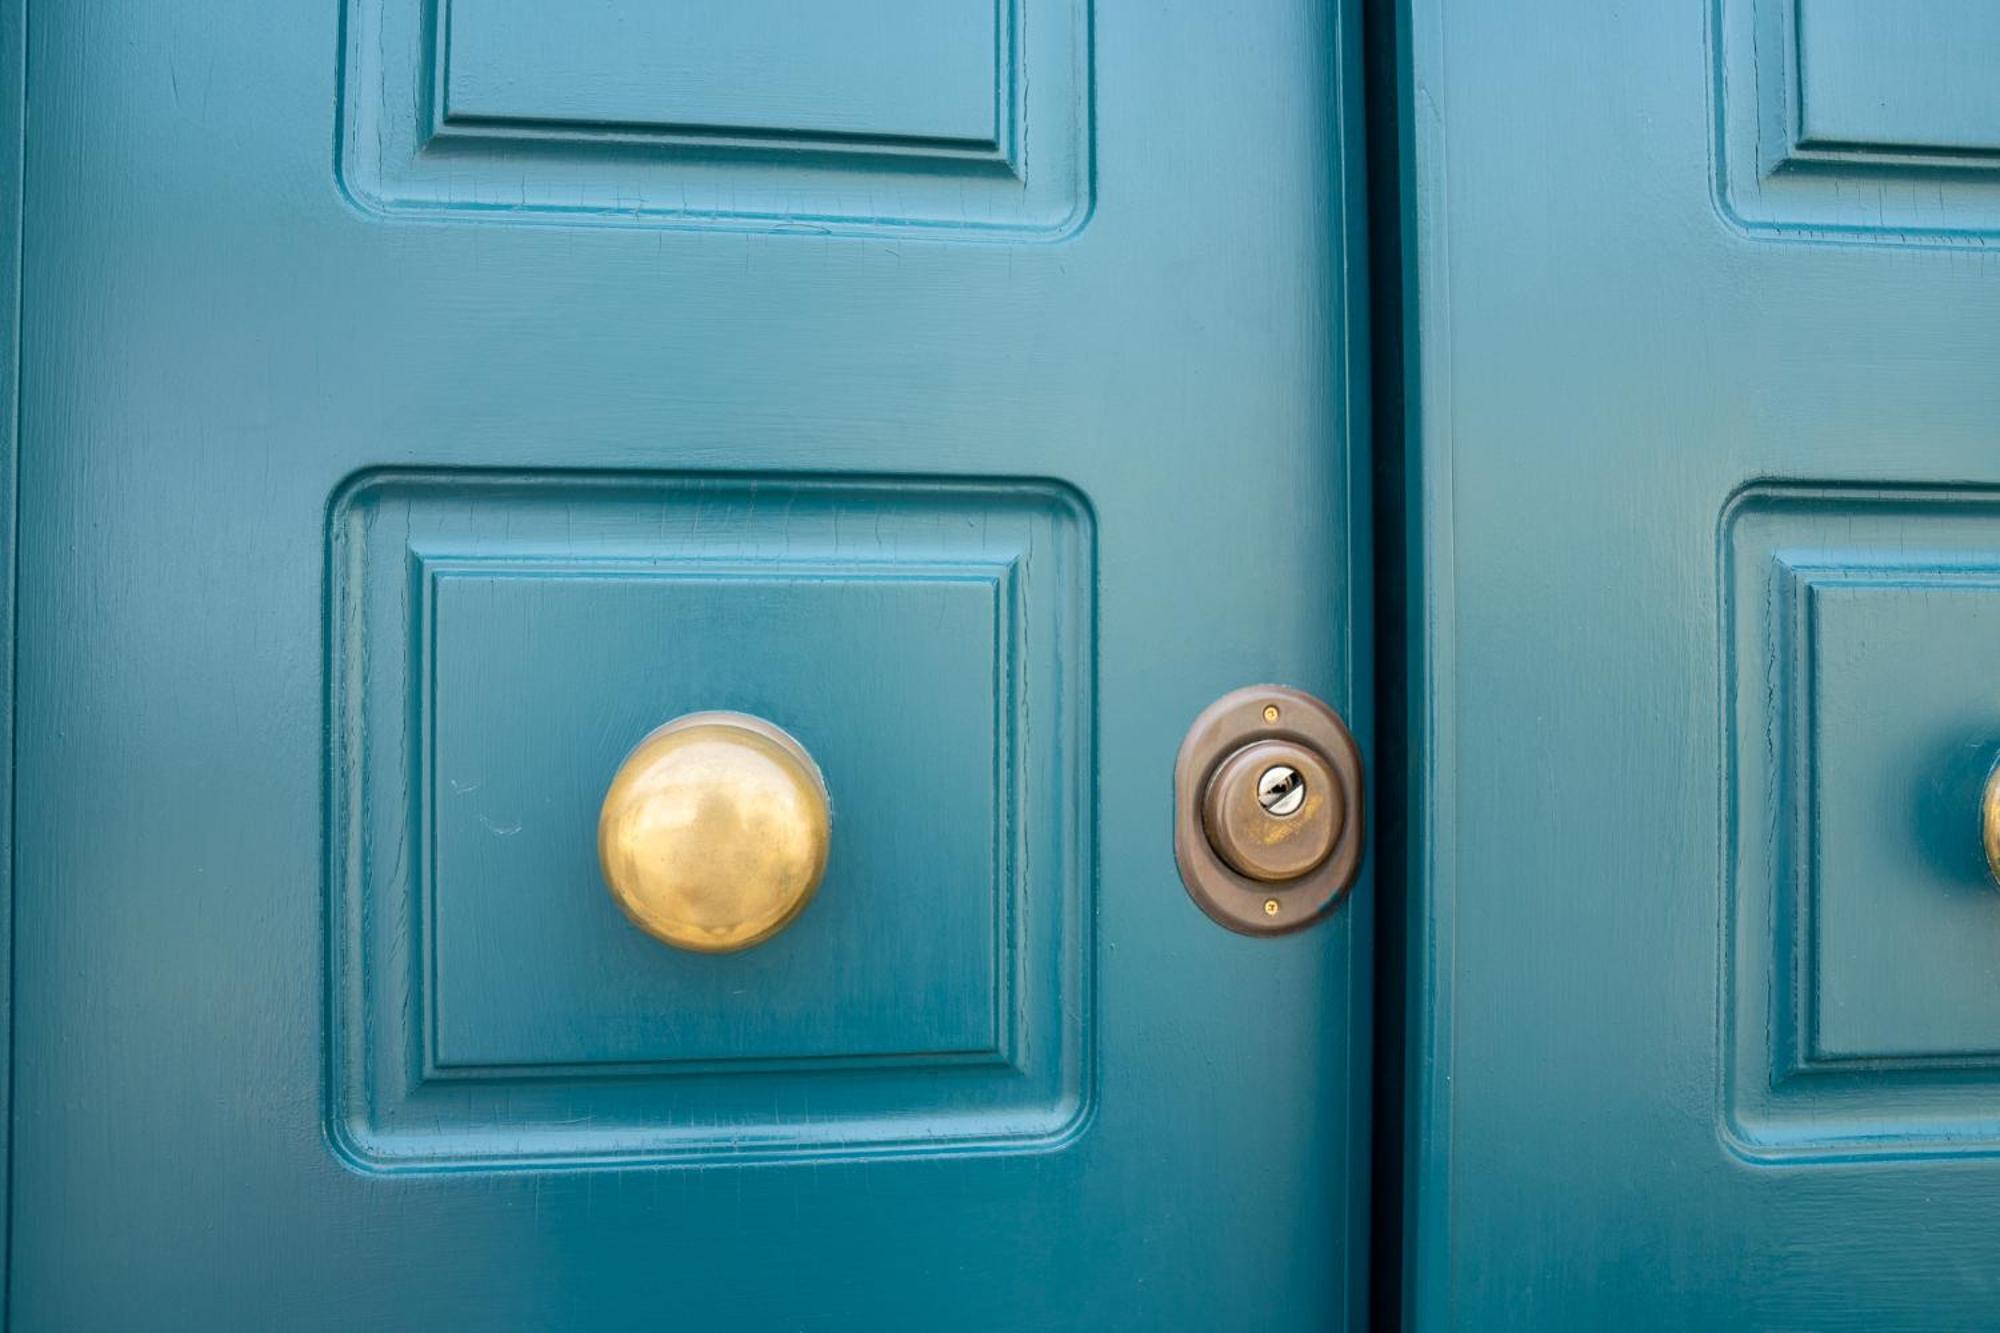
731, 65
1915, 76
1842, 120
929, 643
956, 117
1860, 1015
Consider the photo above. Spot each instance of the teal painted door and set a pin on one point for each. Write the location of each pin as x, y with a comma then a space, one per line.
417, 404
1706, 962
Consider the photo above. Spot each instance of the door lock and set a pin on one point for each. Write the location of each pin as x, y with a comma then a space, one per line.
1268, 810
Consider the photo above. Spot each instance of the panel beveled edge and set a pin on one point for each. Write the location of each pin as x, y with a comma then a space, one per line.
398, 154
1767, 181
350, 1129
1775, 1105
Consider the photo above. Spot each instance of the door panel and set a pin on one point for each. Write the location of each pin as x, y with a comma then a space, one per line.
501, 639
1862, 959
955, 117
422, 402
1706, 461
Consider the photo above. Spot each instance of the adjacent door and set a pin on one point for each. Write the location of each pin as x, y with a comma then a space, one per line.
1706, 956
418, 403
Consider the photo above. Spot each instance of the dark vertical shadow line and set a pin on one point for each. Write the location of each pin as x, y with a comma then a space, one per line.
1383, 41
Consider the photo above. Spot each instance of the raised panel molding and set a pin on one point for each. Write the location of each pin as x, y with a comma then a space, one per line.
965, 118
1852, 120
526, 975
1917, 75
1886, 748
909, 70
1863, 939
931, 643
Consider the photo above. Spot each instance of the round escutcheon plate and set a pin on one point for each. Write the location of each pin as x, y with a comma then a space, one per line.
1268, 810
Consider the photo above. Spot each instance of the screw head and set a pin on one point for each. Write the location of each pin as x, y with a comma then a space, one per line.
1281, 790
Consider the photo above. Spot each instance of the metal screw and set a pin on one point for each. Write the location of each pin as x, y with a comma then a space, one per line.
1281, 790
1270, 712
1270, 907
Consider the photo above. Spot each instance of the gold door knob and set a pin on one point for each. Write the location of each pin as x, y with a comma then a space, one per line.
1989, 822
714, 833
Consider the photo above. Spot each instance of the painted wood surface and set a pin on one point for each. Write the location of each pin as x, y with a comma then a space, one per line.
1915, 75
13, 80
384, 470
1707, 445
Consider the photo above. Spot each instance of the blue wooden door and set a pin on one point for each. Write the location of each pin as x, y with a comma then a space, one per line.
418, 403
1706, 954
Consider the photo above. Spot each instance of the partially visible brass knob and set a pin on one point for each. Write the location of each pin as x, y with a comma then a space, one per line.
1989, 822
715, 831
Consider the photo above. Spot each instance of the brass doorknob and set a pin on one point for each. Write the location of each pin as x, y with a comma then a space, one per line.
714, 833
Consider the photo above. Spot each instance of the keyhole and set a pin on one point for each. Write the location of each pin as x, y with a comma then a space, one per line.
1281, 790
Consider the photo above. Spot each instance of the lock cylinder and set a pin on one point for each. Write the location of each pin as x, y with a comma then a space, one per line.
1273, 811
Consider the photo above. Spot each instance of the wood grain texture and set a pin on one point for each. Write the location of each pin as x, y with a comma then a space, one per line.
1606, 359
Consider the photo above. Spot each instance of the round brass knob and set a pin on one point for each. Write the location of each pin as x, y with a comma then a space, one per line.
1989, 822
1273, 810
714, 834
